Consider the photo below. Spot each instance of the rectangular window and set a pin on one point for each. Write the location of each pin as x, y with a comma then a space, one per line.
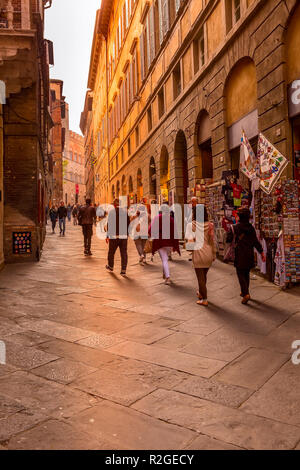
161, 103
122, 155
129, 146
149, 116
176, 81
163, 12
137, 136
236, 10
199, 51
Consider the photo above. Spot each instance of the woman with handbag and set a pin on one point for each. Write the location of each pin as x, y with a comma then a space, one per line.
164, 238
204, 253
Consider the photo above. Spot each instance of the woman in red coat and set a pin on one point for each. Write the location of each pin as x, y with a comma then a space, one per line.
165, 239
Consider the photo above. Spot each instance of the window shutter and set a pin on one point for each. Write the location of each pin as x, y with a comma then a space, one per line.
152, 33
160, 14
148, 42
142, 56
136, 73
165, 9
131, 79
177, 5
126, 13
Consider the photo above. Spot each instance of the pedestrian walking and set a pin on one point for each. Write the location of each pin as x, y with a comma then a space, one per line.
165, 240
86, 218
69, 212
245, 240
62, 214
203, 252
53, 217
117, 236
74, 215
139, 231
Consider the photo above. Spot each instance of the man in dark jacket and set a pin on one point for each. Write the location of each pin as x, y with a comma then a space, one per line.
86, 218
62, 214
245, 240
117, 236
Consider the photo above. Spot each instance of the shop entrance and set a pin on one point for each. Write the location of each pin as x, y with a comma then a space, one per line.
203, 144
164, 174
152, 178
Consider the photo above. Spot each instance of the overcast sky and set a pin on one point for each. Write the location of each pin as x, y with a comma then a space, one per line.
70, 25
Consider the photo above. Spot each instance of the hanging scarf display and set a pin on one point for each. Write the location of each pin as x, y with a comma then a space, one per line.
248, 160
272, 163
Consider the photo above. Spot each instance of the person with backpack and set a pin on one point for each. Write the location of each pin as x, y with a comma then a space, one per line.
117, 236
245, 240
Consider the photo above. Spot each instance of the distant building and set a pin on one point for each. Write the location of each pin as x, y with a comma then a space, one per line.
58, 136
74, 187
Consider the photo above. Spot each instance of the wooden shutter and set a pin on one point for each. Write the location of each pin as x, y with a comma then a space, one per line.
165, 14
147, 39
160, 15
131, 81
142, 56
152, 33
136, 72
177, 5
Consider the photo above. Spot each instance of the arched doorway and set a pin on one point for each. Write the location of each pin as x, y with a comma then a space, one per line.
181, 168
139, 185
118, 188
241, 108
152, 178
164, 174
113, 194
203, 145
292, 44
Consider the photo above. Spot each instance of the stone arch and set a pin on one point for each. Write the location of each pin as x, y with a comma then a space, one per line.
203, 145
181, 168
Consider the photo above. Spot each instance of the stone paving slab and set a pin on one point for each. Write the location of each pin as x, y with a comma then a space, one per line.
56, 435
26, 358
220, 422
203, 442
63, 371
172, 359
18, 422
77, 352
278, 398
126, 427
253, 368
211, 390
40, 395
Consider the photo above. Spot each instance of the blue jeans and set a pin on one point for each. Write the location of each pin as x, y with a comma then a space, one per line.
62, 225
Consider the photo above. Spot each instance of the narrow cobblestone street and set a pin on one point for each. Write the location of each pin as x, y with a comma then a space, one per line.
96, 361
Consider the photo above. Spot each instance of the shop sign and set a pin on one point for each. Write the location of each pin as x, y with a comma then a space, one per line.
294, 98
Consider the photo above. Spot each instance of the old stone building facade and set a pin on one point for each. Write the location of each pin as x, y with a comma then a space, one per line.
58, 113
25, 123
74, 170
174, 82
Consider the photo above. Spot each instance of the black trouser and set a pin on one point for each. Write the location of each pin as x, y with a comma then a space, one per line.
114, 244
244, 279
201, 274
53, 224
87, 231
